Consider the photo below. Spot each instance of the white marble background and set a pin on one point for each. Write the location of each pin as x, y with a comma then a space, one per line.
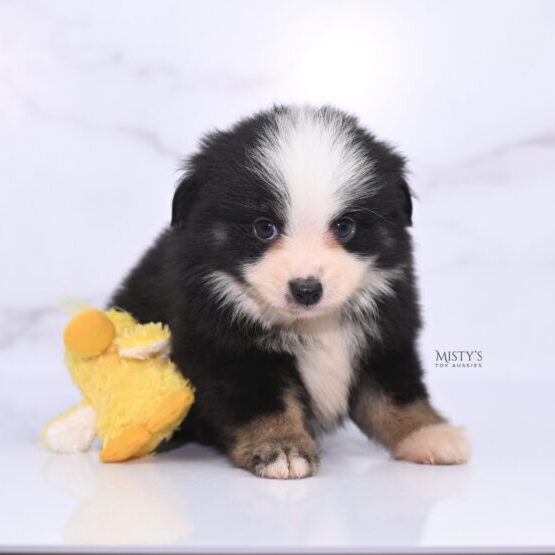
100, 102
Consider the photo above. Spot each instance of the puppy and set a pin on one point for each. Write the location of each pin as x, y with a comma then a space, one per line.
287, 280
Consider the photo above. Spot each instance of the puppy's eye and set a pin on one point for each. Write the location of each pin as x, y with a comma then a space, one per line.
265, 229
344, 229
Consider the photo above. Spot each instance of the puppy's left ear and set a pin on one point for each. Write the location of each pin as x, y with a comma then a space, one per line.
406, 200
183, 199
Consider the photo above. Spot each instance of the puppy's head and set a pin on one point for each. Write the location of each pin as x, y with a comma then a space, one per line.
294, 214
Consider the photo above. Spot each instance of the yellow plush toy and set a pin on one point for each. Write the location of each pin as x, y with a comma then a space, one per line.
133, 395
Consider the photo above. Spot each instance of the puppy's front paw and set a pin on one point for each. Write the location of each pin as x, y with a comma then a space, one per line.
434, 444
284, 458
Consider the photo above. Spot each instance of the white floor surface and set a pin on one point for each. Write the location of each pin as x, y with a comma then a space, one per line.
192, 500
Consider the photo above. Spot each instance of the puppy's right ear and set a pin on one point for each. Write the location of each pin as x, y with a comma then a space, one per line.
183, 199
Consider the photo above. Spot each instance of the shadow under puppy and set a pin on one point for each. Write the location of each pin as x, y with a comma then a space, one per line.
287, 280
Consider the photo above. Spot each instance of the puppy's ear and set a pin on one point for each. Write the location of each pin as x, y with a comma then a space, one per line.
406, 200
183, 199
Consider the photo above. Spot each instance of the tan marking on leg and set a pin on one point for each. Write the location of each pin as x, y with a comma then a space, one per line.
277, 446
415, 432
389, 423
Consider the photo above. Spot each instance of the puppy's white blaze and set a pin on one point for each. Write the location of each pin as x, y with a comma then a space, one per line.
311, 157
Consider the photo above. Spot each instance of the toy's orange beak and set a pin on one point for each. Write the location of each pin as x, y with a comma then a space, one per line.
89, 334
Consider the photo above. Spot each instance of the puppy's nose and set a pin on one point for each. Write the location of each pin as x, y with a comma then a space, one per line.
306, 291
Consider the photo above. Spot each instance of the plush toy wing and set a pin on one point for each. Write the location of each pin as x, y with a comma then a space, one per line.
144, 341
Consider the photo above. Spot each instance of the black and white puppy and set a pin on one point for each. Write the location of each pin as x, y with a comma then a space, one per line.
287, 280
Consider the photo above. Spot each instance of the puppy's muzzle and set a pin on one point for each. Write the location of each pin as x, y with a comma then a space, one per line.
307, 291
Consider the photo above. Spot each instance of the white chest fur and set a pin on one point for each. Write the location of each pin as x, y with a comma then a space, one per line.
325, 365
